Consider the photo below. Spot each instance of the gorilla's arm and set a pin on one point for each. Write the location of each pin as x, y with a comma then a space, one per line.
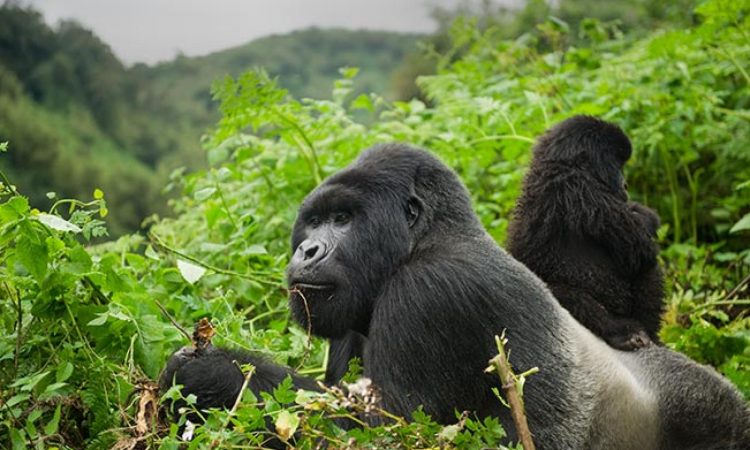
648, 215
580, 203
341, 351
622, 333
425, 340
648, 290
213, 375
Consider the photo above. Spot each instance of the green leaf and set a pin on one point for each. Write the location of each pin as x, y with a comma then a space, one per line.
13, 209
203, 194
255, 249
18, 398
363, 101
33, 257
100, 320
151, 253
18, 439
349, 72
51, 426
29, 382
64, 371
80, 260
53, 388
284, 392
152, 330
34, 415
742, 224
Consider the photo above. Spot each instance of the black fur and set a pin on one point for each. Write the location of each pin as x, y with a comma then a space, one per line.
214, 375
574, 227
342, 351
390, 247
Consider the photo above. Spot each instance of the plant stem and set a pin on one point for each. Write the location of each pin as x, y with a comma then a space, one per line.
258, 279
510, 387
217, 442
19, 324
174, 322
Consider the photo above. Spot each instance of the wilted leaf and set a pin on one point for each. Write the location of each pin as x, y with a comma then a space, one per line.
147, 408
203, 333
448, 433
58, 223
286, 424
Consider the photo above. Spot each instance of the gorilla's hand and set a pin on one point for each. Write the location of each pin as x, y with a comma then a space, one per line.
647, 215
627, 336
212, 374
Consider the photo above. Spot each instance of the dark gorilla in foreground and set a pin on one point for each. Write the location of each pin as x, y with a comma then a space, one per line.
390, 248
575, 228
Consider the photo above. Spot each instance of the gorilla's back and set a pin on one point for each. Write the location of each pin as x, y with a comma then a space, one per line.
698, 408
658, 399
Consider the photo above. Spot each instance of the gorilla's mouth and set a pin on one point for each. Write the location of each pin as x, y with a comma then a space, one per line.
302, 286
311, 292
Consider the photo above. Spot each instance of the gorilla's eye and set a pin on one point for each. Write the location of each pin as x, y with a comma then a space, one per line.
314, 221
342, 218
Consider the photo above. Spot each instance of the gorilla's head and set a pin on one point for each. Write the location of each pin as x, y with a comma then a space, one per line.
600, 147
360, 226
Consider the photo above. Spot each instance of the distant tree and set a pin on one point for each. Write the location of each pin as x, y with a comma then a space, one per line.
25, 39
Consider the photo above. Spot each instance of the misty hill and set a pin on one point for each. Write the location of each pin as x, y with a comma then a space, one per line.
78, 119
306, 63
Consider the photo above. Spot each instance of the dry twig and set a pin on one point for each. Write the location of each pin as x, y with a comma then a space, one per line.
171, 319
510, 384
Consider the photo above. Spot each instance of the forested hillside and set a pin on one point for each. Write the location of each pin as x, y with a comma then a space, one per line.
87, 329
305, 62
80, 119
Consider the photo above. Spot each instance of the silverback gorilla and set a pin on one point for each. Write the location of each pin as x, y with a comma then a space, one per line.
390, 248
574, 227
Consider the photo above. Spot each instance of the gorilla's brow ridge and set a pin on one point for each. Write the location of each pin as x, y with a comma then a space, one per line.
333, 198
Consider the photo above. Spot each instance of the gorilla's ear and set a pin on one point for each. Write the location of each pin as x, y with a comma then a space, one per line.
414, 208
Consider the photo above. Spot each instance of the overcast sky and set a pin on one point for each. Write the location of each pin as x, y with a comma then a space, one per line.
155, 30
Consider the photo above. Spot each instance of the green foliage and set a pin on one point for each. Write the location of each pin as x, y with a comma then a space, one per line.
83, 327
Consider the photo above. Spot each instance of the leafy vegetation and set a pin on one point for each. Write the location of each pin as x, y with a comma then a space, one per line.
84, 328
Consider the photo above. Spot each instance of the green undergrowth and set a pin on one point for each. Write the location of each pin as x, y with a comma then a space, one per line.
86, 327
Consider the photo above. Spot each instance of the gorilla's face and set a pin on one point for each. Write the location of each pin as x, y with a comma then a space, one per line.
351, 234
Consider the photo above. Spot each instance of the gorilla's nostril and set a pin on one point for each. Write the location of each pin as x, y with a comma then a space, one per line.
311, 251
